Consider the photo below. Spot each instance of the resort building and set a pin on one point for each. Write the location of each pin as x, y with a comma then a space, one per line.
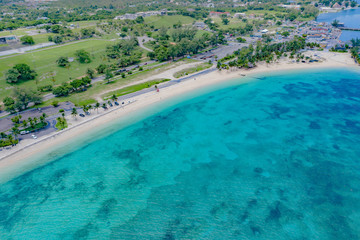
239, 15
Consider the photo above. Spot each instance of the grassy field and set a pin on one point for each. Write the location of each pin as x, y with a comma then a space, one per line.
44, 63
234, 23
42, 38
88, 97
135, 88
17, 32
168, 21
191, 70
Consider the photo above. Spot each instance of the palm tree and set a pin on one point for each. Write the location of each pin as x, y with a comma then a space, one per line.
90, 107
104, 105
3, 135
113, 97
97, 105
11, 139
335, 23
44, 115
24, 123
42, 119
85, 108
109, 103
74, 112
62, 111
31, 121
15, 131
35, 120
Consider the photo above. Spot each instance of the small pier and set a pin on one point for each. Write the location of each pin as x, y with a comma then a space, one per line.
349, 29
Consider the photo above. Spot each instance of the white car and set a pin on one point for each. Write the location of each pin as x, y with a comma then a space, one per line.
33, 136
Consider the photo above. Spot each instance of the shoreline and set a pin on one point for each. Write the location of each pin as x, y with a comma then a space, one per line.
26, 156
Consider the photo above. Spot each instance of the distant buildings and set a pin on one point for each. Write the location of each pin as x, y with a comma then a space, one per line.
239, 15
200, 25
133, 16
290, 6
218, 14
337, 5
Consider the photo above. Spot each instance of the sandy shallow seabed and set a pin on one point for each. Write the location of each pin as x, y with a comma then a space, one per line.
18, 160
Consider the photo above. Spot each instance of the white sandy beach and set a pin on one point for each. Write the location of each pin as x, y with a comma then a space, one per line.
17, 160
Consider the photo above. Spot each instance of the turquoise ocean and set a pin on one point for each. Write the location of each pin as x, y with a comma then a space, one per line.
277, 157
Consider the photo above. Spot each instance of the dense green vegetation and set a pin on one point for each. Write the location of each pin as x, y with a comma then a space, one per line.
20, 99
248, 57
20, 72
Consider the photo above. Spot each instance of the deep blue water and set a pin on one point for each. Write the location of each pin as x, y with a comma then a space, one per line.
351, 19
274, 158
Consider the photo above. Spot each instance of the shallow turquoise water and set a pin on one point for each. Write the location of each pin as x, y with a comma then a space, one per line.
275, 158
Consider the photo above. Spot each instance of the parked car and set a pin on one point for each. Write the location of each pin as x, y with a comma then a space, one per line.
116, 103
33, 136
81, 115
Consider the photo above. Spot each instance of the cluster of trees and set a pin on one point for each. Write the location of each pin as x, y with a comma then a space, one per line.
355, 53
248, 57
63, 61
20, 72
83, 56
355, 50
27, 40
8, 139
20, 99
312, 44
31, 124
65, 33
125, 52
181, 42
123, 47
61, 121
45, 88
77, 85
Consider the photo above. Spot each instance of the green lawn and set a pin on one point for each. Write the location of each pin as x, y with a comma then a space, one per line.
168, 21
191, 70
17, 32
61, 125
135, 88
234, 23
44, 63
42, 38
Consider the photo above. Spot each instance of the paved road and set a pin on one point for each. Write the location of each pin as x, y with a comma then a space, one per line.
221, 51
164, 85
143, 40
